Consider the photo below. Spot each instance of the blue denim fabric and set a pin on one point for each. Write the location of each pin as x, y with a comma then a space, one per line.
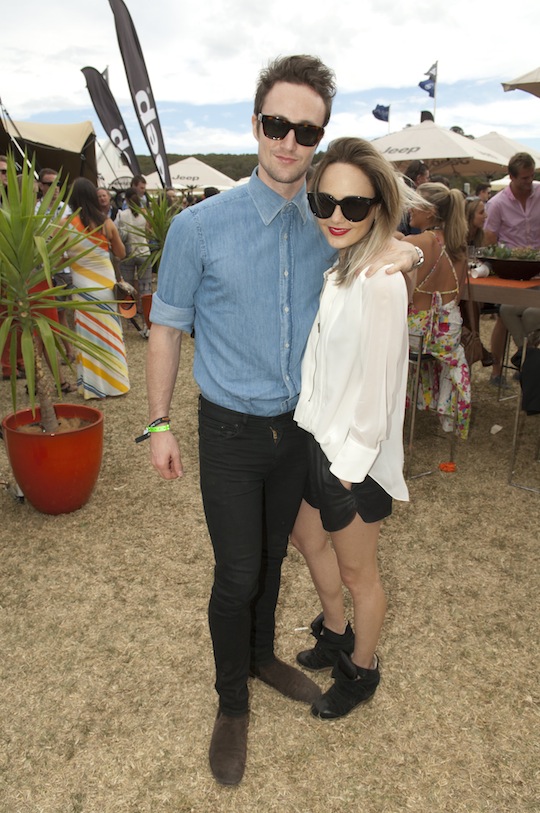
244, 269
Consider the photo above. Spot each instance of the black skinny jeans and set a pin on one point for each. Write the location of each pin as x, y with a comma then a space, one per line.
253, 472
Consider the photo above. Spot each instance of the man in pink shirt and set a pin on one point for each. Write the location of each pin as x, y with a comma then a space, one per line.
514, 213
514, 216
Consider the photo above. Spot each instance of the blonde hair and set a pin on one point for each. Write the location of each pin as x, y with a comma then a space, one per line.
392, 194
475, 235
448, 208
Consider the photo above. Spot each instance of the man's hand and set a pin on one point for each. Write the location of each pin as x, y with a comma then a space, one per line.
401, 256
165, 455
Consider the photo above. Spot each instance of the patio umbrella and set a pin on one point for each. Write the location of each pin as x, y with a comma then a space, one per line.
506, 146
445, 152
530, 82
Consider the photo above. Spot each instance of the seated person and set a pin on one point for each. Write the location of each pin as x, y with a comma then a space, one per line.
520, 322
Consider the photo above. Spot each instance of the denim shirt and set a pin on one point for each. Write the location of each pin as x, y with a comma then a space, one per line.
245, 270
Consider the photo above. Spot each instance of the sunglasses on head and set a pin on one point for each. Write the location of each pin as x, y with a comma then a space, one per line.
276, 128
353, 208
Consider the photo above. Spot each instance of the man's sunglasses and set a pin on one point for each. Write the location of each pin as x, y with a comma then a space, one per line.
276, 128
353, 208
50, 183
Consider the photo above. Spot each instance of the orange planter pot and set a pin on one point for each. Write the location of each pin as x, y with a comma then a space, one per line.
57, 473
146, 300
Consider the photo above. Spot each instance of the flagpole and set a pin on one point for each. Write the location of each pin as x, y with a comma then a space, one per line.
435, 88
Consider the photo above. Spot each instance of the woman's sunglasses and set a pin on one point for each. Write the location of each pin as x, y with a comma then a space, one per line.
353, 208
276, 128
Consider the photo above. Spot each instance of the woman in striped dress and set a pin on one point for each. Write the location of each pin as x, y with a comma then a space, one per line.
95, 269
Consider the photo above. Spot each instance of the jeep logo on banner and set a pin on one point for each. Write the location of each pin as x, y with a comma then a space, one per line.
139, 86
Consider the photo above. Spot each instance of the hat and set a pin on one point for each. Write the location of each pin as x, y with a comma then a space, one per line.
127, 306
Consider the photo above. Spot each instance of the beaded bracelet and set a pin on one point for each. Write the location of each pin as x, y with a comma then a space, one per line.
159, 425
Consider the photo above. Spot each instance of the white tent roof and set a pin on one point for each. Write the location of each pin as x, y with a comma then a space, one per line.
190, 173
444, 151
111, 169
507, 146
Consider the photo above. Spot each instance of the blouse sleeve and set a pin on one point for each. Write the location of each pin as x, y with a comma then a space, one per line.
383, 353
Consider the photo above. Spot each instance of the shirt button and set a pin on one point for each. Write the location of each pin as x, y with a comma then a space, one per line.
285, 273
285, 236
287, 345
286, 309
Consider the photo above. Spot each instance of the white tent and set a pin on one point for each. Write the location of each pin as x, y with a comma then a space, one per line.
190, 173
444, 151
506, 146
530, 82
66, 147
112, 171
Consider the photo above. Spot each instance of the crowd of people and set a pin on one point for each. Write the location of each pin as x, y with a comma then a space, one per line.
301, 300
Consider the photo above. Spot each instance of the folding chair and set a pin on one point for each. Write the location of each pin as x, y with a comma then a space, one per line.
417, 357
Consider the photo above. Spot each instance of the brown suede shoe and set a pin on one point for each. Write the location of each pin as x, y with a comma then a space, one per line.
228, 748
289, 681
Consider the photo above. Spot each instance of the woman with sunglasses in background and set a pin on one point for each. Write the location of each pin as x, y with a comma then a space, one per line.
354, 378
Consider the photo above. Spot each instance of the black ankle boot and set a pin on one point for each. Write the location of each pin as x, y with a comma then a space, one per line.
329, 644
352, 685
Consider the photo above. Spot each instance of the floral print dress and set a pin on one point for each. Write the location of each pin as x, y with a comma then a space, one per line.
445, 384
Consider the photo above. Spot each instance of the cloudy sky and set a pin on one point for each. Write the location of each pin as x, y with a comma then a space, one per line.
203, 58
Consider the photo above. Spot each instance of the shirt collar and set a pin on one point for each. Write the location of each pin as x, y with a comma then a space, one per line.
269, 204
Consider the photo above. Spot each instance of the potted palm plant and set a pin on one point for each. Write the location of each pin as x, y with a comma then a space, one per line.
54, 449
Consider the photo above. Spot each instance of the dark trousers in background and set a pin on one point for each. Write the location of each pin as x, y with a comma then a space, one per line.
253, 472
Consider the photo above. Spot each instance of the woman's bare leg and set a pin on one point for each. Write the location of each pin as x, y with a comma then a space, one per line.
309, 537
356, 550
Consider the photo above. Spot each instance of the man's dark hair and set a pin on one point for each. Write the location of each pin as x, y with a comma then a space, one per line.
137, 179
519, 161
47, 171
297, 70
482, 187
210, 191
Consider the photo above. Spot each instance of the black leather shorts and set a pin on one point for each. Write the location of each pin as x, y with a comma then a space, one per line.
338, 505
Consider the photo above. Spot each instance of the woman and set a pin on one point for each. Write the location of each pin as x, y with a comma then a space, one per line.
133, 228
94, 379
477, 237
434, 313
352, 402
475, 212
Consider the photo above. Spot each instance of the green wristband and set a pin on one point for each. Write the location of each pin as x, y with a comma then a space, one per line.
163, 427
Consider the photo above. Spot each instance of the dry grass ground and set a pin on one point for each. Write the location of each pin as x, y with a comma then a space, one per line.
106, 672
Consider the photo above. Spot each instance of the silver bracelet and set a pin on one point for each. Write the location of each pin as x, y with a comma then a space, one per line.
420, 257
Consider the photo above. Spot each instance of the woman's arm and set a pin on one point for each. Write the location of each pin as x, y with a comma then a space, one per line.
115, 242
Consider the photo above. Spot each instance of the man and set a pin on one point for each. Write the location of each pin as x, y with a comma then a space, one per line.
47, 178
106, 203
245, 268
138, 182
514, 216
514, 213
483, 191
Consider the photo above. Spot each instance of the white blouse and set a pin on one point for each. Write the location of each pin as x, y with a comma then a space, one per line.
354, 379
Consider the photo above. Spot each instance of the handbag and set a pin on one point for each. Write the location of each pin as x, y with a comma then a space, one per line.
470, 339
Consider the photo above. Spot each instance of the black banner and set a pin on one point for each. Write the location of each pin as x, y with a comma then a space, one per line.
139, 85
110, 116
